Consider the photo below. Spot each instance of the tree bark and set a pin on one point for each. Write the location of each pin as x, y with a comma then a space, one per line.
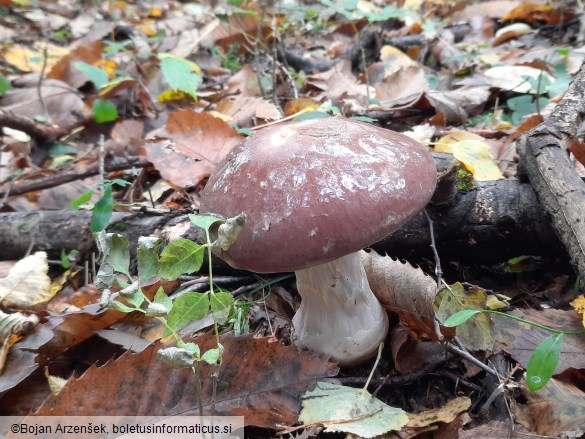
545, 161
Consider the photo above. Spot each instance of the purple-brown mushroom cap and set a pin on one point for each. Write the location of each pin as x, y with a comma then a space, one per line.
316, 190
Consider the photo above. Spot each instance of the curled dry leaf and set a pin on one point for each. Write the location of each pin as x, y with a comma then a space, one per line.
446, 413
402, 288
187, 148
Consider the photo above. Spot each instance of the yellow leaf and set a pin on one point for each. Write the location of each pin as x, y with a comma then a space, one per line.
55, 383
147, 28
445, 142
31, 60
495, 302
173, 95
27, 283
108, 65
579, 305
477, 158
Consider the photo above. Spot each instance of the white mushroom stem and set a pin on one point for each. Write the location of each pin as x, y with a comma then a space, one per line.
339, 315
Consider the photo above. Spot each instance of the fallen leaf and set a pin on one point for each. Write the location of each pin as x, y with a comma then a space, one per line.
349, 410
27, 284
476, 156
458, 105
555, 408
510, 32
188, 147
513, 78
249, 384
31, 60
446, 413
476, 333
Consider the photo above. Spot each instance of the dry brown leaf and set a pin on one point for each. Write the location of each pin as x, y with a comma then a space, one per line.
557, 407
258, 379
65, 70
244, 111
63, 103
458, 105
245, 82
446, 413
526, 338
404, 290
399, 285
491, 9
187, 148
336, 82
297, 105
497, 430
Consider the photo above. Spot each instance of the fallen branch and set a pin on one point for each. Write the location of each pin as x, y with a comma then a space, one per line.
545, 161
30, 126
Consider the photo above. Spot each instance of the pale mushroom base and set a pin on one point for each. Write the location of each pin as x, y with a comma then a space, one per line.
339, 315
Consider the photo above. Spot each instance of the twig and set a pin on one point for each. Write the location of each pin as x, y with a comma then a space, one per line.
466, 355
76, 174
46, 114
327, 423
30, 126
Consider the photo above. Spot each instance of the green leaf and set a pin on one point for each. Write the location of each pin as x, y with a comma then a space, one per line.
221, 305
104, 111
162, 298
119, 306
82, 199
65, 262
180, 257
97, 76
114, 251
193, 348
543, 362
147, 257
460, 317
4, 84
186, 309
181, 74
102, 211
205, 221
336, 406
212, 356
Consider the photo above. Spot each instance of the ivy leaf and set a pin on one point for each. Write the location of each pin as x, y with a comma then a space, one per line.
543, 362
179, 257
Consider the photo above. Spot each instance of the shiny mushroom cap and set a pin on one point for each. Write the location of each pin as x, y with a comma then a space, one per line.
316, 190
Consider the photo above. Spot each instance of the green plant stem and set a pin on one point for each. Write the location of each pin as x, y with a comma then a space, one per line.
529, 322
215, 377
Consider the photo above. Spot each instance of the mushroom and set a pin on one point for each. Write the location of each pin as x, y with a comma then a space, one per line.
315, 192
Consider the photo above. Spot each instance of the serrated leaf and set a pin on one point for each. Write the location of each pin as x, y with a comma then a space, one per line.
179, 257
543, 362
460, 317
186, 309
221, 305
181, 74
104, 111
102, 211
97, 76
349, 410
205, 221
147, 257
